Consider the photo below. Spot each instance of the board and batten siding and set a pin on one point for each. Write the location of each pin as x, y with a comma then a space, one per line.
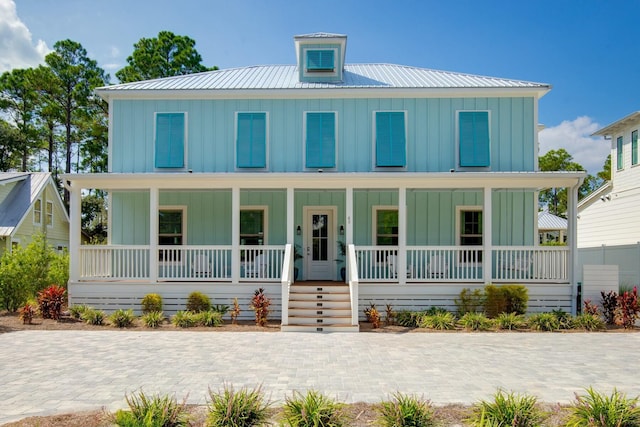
431, 132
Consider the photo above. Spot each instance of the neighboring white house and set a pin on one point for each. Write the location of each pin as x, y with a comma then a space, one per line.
608, 226
30, 204
551, 228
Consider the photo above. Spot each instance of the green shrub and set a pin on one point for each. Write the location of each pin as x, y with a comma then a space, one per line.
597, 410
543, 322
510, 321
151, 302
209, 318
407, 318
588, 322
243, 408
197, 302
154, 411
505, 299
50, 301
507, 409
564, 318
220, 308
476, 322
93, 317
153, 319
433, 310
469, 302
440, 321
405, 410
77, 310
122, 318
58, 272
313, 410
185, 319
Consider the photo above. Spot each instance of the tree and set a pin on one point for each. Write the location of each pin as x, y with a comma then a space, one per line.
11, 143
18, 99
75, 75
165, 56
556, 198
605, 173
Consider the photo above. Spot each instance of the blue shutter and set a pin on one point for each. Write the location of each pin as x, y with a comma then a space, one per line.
475, 149
170, 140
251, 146
321, 140
320, 60
390, 139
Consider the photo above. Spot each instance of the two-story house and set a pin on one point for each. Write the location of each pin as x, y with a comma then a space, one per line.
419, 183
608, 227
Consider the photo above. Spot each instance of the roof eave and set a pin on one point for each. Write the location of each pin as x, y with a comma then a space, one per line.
609, 130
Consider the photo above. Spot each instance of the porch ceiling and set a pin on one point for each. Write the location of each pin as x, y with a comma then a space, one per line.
326, 180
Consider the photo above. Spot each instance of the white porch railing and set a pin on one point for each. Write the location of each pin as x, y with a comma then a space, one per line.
197, 263
261, 263
444, 263
531, 264
108, 262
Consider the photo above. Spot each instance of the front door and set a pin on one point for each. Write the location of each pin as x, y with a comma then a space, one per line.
319, 244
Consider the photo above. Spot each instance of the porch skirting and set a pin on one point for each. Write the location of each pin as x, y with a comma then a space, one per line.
109, 296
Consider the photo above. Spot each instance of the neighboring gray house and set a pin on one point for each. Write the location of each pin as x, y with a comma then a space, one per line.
551, 228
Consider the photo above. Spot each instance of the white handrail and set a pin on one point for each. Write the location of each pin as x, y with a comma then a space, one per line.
287, 279
352, 277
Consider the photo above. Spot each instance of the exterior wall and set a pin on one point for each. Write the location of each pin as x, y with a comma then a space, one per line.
625, 257
629, 176
431, 132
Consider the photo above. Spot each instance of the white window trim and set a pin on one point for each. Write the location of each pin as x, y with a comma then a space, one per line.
266, 141
374, 221
36, 210
186, 140
631, 147
619, 167
457, 144
47, 204
459, 210
336, 62
374, 164
182, 208
265, 218
304, 140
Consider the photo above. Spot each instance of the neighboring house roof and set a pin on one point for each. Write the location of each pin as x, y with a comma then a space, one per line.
358, 76
18, 202
595, 195
549, 221
620, 124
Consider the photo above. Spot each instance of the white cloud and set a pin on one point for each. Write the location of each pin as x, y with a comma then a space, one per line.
17, 49
575, 137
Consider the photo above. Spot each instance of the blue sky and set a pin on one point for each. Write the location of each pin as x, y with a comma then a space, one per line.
587, 50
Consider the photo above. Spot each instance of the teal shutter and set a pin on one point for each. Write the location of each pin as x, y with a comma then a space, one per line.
321, 140
320, 60
619, 154
475, 150
634, 147
390, 139
251, 146
170, 140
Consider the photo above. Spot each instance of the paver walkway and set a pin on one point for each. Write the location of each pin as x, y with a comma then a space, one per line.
46, 372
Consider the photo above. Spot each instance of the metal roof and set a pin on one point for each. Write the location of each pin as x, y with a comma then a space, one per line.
19, 200
548, 221
619, 125
356, 76
320, 36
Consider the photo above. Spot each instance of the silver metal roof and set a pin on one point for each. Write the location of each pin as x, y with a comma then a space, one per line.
358, 76
19, 200
548, 221
320, 36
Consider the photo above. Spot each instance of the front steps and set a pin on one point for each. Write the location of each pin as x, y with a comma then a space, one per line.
319, 307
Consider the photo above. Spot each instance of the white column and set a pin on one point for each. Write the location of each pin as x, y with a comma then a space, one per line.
75, 230
235, 235
487, 234
154, 203
349, 215
402, 236
572, 242
290, 215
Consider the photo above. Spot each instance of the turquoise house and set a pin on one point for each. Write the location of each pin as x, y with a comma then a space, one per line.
330, 185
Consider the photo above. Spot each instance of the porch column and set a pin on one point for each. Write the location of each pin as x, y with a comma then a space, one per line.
235, 235
572, 242
487, 235
349, 215
402, 236
290, 215
154, 201
75, 214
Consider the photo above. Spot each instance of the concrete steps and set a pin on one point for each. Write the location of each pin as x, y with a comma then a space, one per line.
319, 307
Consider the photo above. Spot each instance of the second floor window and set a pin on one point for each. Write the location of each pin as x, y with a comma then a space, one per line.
320, 147
634, 147
37, 212
391, 140
251, 143
170, 140
619, 154
474, 147
49, 214
320, 60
